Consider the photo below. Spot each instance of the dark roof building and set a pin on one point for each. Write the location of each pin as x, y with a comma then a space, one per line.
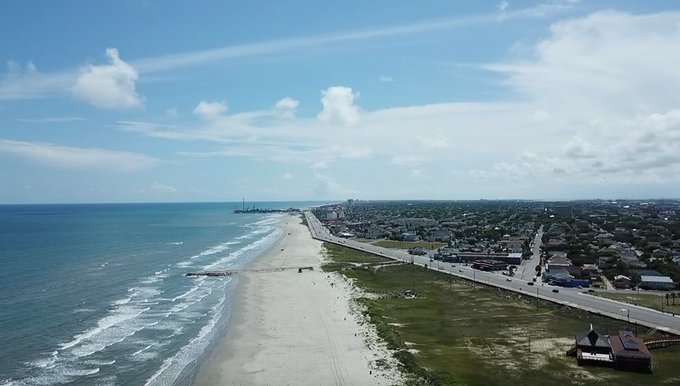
592, 346
630, 352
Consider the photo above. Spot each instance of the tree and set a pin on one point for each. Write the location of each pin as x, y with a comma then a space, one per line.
673, 296
667, 297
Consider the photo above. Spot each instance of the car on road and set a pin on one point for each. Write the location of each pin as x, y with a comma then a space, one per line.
460, 270
555, 290
530, 283
508, 279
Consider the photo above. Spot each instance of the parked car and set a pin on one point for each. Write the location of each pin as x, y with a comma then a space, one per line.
556, 290
530, 282
508, 279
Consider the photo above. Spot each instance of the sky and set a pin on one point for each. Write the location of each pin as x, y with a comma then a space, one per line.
176, 101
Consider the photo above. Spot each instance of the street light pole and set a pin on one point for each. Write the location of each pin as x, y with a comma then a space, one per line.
536, 298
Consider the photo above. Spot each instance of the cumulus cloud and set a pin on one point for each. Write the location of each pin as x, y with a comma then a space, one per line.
285, 108
605, 63
108, 86
599, 106
211, 110
74, 158
338, 105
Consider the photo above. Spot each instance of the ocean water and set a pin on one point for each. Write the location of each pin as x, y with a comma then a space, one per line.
96, 294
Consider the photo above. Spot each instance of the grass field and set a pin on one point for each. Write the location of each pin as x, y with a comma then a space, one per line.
408, 244
645, 300
453, 333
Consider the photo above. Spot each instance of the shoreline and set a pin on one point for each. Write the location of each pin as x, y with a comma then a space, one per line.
290, 328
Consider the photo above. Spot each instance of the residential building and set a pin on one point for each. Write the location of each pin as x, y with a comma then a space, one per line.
629, 352
621, 281
664, 283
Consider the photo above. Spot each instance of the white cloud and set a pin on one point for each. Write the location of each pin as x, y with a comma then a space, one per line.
211, 110
338, 105
503, 5
416, 174
605, 63
577, 147
158, 187
585, 120
108, 86
75, 158
51, 120
385, 79
285, 107
433, 142
27, 82
33, 84
287, 176
171, 112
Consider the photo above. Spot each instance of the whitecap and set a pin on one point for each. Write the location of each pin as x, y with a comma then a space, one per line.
81, 372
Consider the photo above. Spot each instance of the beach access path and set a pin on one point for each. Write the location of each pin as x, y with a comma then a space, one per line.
290, 328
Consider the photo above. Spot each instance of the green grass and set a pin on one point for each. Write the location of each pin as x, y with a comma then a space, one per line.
346, 258
646, 300
482, 335
408, 244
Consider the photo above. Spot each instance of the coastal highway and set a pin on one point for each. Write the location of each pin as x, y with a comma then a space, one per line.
572, 297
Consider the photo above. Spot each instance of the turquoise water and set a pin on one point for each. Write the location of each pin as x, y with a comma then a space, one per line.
96, 294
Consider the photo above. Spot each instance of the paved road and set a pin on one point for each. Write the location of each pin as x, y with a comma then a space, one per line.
567, 296
527, 270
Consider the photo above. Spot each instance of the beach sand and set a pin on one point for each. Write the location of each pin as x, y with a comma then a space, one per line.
291, 328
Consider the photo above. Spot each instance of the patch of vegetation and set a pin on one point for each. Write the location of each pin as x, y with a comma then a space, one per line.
457, 333
394, 244
657, 302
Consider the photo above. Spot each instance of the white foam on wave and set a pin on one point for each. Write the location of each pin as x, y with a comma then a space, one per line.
111, 334
81, 372
172, 367
93, 362
83, 310
175, 243
120, 302
269, 238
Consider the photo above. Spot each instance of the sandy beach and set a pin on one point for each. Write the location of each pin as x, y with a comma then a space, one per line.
291, 328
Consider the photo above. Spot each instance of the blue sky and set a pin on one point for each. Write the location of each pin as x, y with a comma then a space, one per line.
144, 101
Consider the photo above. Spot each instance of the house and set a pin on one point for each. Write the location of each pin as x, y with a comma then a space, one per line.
408, 236
621, 281
629, 352
514, 244
514, 259
593, 347
558, 262
441, 235
664, 283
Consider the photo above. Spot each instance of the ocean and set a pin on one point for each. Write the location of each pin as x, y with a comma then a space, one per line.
97, 294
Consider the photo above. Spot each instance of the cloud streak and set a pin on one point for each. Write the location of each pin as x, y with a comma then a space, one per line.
30, 83
74, 158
